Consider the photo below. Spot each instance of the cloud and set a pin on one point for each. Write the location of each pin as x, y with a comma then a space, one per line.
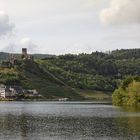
121, 12
27, 43
23, 43
5, 26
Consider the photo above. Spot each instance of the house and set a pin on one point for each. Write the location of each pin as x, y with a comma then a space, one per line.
5, 92
14, 91
34, 92
31, 93
2, 91
10, 91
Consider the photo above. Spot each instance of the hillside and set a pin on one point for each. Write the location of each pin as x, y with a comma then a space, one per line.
54, 76
6, 56
30, 76
95, 71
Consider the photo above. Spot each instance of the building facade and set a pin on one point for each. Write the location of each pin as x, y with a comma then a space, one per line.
9, 91
2, 91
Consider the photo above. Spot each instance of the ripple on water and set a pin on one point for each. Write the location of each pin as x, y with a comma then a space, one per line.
67, 121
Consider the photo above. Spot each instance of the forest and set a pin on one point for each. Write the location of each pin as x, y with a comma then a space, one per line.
95, 71
74, 76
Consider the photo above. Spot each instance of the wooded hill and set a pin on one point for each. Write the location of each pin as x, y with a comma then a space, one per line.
29, 75
95, 71
59, 76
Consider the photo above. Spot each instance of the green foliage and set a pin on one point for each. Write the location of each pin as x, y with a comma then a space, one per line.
35, 77
95, 95
9, 76
77, 77
30, 75
129, 93
96, 71
126, 82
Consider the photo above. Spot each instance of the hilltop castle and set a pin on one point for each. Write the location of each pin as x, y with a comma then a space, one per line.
16, 59
25, 55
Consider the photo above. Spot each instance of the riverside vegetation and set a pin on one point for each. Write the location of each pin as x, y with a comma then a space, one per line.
72, 76
128, 94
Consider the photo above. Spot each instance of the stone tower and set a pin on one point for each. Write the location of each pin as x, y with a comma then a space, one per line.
24, 53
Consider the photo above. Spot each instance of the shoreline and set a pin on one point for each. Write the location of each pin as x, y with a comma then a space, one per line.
53, 100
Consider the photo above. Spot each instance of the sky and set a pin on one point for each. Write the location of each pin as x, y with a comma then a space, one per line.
69, 26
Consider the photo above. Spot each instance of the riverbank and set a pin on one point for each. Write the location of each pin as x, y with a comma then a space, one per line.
95, 95
86, 95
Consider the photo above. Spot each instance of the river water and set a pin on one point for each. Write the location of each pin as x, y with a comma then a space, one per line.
67, 121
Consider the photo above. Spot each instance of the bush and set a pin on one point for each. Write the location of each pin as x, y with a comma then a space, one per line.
128, 96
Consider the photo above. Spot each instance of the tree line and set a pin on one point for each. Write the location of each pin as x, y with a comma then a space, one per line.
95, 71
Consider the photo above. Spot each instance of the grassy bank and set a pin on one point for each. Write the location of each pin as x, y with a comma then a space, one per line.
95, 95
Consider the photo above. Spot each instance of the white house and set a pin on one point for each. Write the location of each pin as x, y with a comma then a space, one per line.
12, 91
2, 91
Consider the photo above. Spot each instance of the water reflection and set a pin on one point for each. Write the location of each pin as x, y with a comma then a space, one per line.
131, 109
62, 121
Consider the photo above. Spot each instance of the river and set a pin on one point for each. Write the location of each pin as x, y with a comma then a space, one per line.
67, 121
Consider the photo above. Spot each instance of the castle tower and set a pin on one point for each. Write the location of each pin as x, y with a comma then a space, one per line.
24, 52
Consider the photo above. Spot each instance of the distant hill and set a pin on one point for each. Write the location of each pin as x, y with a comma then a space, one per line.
30, 75
95, 71
126, 54
54, 76
5, 56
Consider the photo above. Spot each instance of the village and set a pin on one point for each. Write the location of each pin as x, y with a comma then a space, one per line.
14, 91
